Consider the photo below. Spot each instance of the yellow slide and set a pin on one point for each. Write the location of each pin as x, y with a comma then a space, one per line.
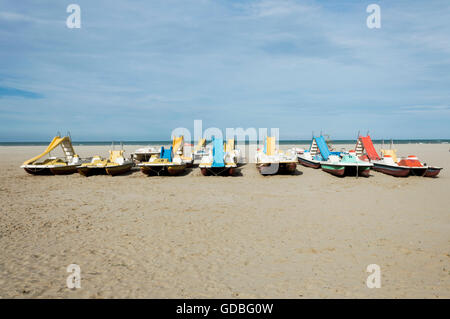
177, 144
229, 147
57, 140
201, 143
270, 146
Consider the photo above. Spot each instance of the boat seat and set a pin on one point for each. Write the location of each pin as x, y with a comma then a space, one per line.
113, 155
391, 153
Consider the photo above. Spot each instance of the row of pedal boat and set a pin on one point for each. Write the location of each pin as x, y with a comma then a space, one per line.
222, 158
364, 158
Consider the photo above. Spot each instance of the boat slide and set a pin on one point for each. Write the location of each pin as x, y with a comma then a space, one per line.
168, 161
53, 165
312, 157
271, 161
389, 164
221, 159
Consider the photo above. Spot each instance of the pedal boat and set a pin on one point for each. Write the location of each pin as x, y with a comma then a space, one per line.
168, 161
401, 167
318, 152
221, 160
115, 165
347, 165
272, 161
143, 154
54, 165
386, 164
200, 151
162, 166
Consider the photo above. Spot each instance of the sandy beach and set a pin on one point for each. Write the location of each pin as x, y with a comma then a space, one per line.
310, 235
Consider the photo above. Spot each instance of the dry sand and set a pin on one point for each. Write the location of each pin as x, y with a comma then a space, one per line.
309, 235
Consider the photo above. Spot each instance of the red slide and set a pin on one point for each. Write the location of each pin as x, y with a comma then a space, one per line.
370, 149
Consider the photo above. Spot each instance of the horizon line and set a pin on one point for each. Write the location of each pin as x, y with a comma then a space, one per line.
246, 140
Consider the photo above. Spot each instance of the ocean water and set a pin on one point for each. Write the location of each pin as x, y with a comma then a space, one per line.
281, 142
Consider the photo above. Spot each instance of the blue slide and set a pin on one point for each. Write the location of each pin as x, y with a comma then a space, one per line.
218, 153
323, 147
166, 153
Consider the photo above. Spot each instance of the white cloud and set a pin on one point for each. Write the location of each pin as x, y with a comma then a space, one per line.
11, 16
421, 109
17, 17
268, 8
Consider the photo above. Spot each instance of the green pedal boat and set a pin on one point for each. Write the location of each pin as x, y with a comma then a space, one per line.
347, 165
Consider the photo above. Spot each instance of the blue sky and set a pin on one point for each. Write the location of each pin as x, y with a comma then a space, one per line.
136, 70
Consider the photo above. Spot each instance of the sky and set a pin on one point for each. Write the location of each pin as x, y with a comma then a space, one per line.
136, 70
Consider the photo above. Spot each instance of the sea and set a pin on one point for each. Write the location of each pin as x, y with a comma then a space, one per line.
281, 142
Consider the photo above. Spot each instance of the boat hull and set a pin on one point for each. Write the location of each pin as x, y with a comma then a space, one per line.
58, 170
38, 171
89, 171
117, 170
176, 170
391, 170
189, 164
418, 171
347, 170
64, 170
288, 167
358, 170
432, 171
217, 171
163, 170
277, 168
336, 170
364, 171
308, 163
